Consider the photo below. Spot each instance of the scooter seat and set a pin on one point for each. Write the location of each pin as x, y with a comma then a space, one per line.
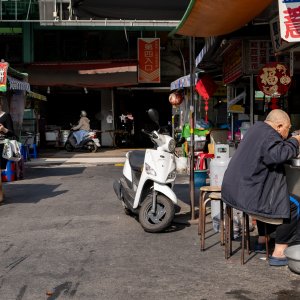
136, 160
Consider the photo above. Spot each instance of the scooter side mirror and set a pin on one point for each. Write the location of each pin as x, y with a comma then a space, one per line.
180, 141
154, 116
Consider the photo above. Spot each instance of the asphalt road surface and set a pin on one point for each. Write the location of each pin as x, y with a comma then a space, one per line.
64, 235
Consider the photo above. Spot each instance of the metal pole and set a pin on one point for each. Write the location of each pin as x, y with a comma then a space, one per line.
251, 100
192, 125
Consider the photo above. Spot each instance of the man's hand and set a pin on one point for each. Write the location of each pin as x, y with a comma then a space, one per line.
297, 137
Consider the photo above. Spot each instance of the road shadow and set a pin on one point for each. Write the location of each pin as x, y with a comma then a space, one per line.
33, 172
30, 193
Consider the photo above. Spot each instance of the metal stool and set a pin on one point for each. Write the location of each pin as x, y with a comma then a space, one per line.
267, 235
245, 232
214, 194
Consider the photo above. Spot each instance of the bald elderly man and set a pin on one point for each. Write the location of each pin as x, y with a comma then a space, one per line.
255, 181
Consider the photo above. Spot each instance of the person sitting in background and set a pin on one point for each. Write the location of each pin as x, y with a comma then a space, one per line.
82, 128
255, 180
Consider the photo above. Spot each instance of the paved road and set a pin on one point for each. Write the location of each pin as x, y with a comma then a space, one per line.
64, 233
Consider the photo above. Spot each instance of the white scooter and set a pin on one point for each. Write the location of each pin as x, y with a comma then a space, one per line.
148, 178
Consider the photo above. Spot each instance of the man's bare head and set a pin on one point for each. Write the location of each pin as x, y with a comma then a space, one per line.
278, 115
280, 121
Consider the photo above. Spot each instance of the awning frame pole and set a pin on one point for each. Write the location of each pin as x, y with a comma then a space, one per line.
192, 125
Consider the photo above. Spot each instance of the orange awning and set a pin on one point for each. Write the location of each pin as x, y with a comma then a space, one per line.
205, 18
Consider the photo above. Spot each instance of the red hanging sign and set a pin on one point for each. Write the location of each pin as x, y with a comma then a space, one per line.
3, 76
274, 80
149, 60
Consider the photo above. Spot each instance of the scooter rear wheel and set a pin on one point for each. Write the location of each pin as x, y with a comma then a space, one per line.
163, 216
91, 146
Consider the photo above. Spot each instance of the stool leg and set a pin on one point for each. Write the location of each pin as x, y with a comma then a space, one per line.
222, 222
248, 234
27, 152
227, 231
203, 224
243, 239
201, 200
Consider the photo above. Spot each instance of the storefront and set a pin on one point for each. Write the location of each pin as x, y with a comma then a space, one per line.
245, 60
14, 86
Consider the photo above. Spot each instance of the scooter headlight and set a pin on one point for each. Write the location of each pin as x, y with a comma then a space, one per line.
150, 170
172, 175
172, 145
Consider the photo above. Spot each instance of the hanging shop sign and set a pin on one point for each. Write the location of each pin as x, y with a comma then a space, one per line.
289, 16
3, 76
278, 43
149, 60
18, 85
259, 53
183, 82
274, 80
233, 62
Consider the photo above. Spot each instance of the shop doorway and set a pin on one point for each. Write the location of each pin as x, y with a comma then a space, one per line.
137, 103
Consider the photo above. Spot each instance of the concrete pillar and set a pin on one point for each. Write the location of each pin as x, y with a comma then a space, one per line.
28, 54
107, 120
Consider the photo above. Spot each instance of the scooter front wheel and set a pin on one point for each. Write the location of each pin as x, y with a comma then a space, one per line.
69, 147
160, 219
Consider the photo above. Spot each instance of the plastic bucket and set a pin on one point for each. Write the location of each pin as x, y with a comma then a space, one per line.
200, 177
181, 164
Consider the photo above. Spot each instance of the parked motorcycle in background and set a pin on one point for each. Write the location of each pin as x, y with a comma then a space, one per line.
146, 187
89, 143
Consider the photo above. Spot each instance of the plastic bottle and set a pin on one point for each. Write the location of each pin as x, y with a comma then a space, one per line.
229, 135
237, 135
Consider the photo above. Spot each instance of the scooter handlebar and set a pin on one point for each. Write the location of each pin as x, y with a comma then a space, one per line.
145, 132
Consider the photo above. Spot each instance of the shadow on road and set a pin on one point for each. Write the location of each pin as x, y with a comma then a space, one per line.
30, 193
39, 172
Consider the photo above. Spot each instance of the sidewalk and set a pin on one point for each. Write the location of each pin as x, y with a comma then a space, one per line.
61, 156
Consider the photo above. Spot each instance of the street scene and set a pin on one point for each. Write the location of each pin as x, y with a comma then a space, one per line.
64, 235
149, 150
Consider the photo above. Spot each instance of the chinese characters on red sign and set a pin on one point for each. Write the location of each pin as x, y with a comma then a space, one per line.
149, 60
3, 76
289, 15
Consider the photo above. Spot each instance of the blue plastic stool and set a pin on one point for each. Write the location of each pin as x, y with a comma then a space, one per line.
9, 174
33, 151
24, 152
